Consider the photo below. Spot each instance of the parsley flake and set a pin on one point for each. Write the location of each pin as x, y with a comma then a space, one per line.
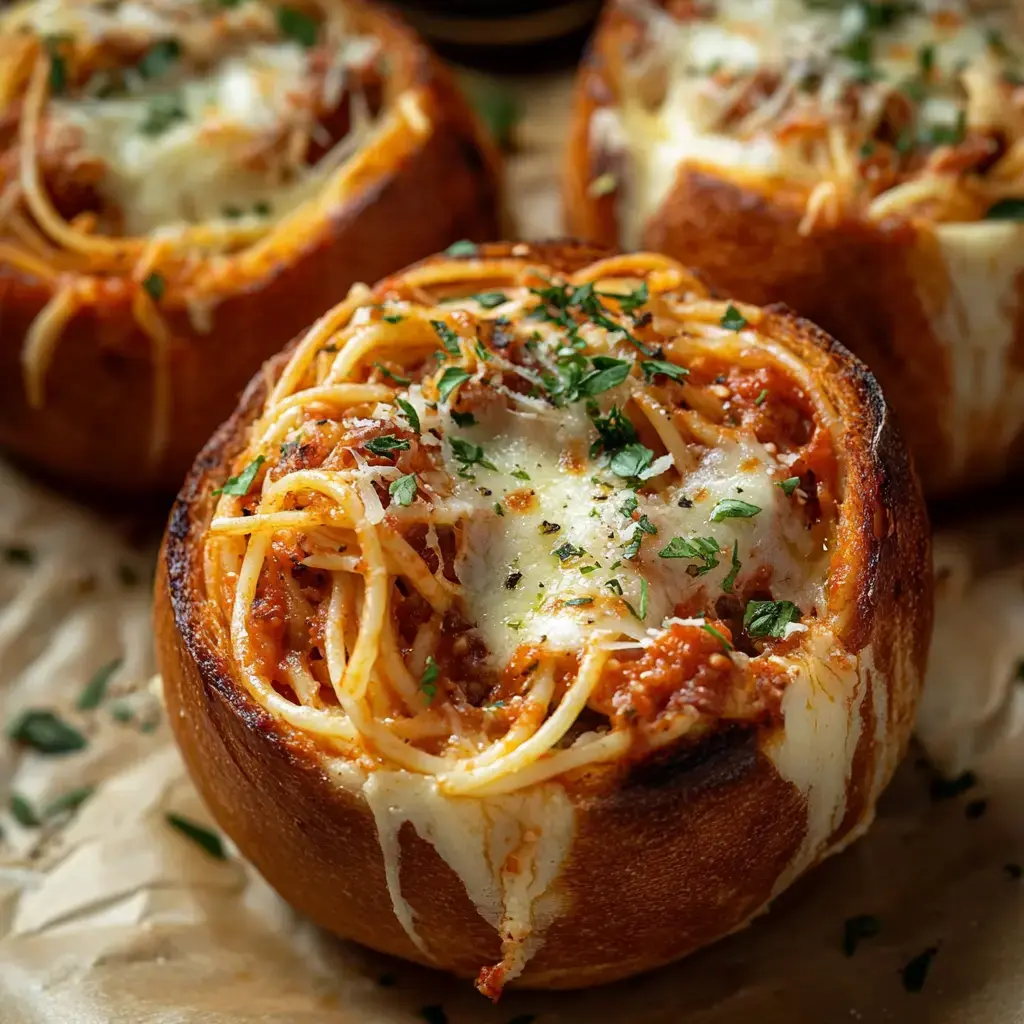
719, 636
789, 485
403, 490
1006, 209
448, 337
45, 732
428, 678
651, 367
733, 508
238, 486
730, 579
155, 286
410, 413
579, 602
96, 689
297, 25
469, 455
462, 248
202, 837
566, 551
391, 375
159, 58
452, 377
733, 319
703, 548
463, 419
769, 618
631, 461
386, 444
490, 299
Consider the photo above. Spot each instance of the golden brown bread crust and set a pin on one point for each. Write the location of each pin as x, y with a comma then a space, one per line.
668, 854
867, 284
94, 428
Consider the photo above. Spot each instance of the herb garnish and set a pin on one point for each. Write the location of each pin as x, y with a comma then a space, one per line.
769, 618
428, 678
96, 689
45, 732
469, 455
410, 413
385, 444
17, 554
614, 431
463, 419
631, 461
602, 185
297, 25
760, 400
461, 248
733, 319
159, 58
163, 111
1006, 209
391, 375
155, 286
704, 548
58, 78
722, 639
403, 490
69, 801
607, 373
789, 485
578, 602
452, 377
393, 318
730, 579
23, 812
643, 526
733, 508
863, 926
448, 337
490, 299
655, 366
916, 971
238, 486
202, 837
567, 550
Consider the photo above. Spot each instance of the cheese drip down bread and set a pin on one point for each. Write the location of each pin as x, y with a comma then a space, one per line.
535, 589
183, 186
860, 160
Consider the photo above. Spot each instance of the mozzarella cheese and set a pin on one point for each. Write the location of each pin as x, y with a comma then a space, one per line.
516, 577
793, 38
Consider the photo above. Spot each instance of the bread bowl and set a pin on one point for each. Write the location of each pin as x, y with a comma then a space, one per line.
184, 187
445, 764
862, 162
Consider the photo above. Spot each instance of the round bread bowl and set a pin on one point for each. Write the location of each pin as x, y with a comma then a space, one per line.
679, 846
931, 299
110, 405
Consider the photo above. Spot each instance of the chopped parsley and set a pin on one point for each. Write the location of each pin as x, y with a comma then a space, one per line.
705, 549
463, 419
238, 486
159, 58
631, 460
520, 474
579, 602
448, 337
769, 618
469, 455
386, 444
863, 926
410, 413
760, 400
789, 485
96, 689
391, 375
643, 599
614, 431
614, 586
733, 319
393, 318
498, 510
69, 801
490, 299
428, 678
155, 286
733, 508
607, 373
23, 812
730, 579
403, 490
915, 973
1006, 209
452, 377
45, 732
547, 528
602, 185
719, 636
628, 507
162, 112
58, 77
566, 551
655, 366
632, 301
462, 248
18, 554
202, 837
297, 25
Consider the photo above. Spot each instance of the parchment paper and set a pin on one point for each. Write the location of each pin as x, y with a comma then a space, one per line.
108, 914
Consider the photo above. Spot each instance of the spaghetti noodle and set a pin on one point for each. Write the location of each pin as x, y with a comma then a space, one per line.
522, 486
162, 155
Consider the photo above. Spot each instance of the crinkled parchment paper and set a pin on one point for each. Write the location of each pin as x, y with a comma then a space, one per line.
109, 914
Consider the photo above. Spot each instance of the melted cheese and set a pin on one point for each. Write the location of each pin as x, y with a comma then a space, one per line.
585, 504
786, 35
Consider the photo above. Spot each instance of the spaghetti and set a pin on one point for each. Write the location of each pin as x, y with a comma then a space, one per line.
497, 524
161, 155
